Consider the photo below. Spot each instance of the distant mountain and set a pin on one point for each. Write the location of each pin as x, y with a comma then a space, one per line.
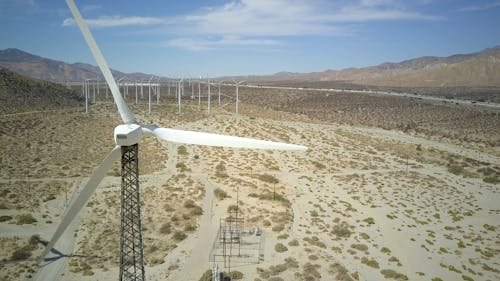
52, 70
20, 93
472, 70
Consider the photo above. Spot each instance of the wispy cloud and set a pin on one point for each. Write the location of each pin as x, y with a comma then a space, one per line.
8, 6
118, 21
263, 22
264, 19
89, 8
197, 44
290, 17
474, 8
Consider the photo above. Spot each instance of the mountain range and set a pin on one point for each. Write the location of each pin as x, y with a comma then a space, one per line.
480, 69
42, 68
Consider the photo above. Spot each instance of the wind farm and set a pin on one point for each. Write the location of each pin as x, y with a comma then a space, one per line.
356, 174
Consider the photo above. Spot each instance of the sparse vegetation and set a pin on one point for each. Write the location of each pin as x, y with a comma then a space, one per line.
391, 274
220, 170
166, 228
341, 231
5, 218
370, 262
369, 220
21, 254
181, 150
385, 250
268, 178
182, 167
280, 248
455, 169
179, 235
375, 182
26, 219
360, 247
491, 179
220, 194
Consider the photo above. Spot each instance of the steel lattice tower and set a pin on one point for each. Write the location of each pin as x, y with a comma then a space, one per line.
131, 248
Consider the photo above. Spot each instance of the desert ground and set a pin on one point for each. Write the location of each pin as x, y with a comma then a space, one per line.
389, 189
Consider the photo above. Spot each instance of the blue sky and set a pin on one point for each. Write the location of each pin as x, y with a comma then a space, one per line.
245, 37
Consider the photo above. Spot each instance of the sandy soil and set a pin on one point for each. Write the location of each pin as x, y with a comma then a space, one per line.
361, 203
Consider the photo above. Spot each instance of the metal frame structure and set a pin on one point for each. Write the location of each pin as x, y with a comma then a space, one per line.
131, 246
230, 231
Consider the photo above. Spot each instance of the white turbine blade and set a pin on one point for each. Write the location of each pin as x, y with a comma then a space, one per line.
190, 137
127, 116
82, 198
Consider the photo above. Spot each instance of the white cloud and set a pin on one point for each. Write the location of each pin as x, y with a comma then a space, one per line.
290, 17
475, 8
199, 44
245, 22
117, 21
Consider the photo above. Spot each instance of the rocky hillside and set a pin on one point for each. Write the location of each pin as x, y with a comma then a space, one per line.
52, 70
478, 69
481, 69
21, 94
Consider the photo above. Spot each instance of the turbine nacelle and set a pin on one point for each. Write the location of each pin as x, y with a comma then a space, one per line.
128, 134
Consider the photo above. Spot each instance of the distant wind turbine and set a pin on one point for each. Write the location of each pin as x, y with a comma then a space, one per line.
179, 96
199, 93
220, 82
208, 83
237, 95
149, 87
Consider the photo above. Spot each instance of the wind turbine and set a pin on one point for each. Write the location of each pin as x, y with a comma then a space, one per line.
120, 83
142, 91
127, 136
237, 95
192, 88
199, 93
136, 100
220, 82
208, 83
168, 84
158, 89
93, 91
149, 91
86, 91
179, 95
